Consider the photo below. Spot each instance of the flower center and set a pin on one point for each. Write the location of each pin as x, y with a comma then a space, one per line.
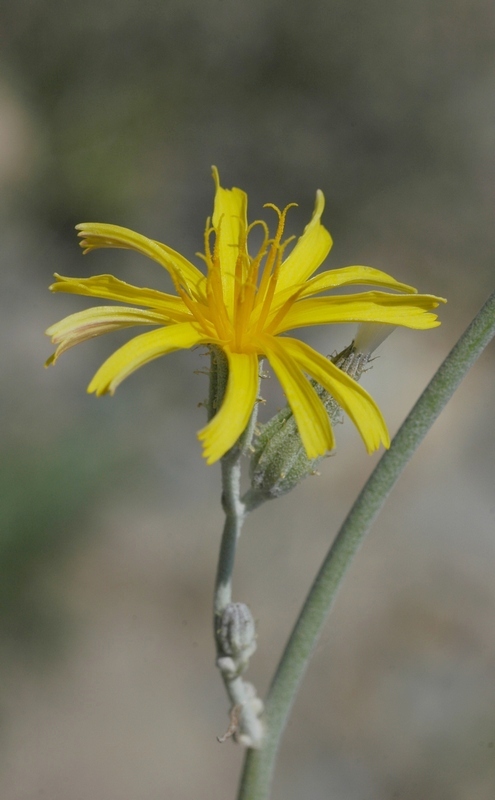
255, 283
236, 306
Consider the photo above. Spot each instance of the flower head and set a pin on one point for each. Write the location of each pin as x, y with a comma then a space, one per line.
243, 305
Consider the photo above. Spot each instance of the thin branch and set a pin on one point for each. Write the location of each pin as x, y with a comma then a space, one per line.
234, 629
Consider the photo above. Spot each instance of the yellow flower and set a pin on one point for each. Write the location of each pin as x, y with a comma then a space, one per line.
243, 305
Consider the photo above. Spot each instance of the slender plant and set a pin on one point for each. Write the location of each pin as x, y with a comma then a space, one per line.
241, 308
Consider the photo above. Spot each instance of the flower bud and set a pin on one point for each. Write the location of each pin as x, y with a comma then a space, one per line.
279, 460
237, 633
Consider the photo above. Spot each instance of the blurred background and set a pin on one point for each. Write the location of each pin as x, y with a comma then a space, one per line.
110, 521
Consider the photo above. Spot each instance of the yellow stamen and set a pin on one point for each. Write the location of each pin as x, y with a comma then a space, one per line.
196, 309
267, 302
272, 255
247, 295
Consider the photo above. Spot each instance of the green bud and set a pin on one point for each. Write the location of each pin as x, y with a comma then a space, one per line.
279, 461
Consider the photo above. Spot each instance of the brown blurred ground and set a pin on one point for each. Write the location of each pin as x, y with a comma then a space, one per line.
110, 521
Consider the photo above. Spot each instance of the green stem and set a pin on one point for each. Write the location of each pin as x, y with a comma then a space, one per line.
234, 518
259, 764
245, 706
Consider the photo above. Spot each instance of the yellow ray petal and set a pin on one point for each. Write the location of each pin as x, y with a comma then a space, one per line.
310, 251
310, 414
223, 431
140, 351
95, 235
230, 218
411, 311
350, 396
110, 288
92, 322
339, 277
367, 276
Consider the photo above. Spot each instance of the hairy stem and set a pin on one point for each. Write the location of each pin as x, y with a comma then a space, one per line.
234, 518
245, 706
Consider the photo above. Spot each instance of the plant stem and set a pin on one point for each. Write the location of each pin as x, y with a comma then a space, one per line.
245, 706
259, 765
234, 518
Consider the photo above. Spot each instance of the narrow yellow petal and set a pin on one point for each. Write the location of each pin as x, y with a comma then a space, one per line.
350, 396
110, 288
309, 412
140, 351
223, 431
92, 322
230, 221
366, 276
411, 311
95, 235
310, 251
339, 277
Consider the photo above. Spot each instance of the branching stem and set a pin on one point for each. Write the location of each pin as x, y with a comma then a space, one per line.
246, 706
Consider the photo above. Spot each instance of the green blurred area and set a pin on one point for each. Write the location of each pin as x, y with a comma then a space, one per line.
44, 499
114, 111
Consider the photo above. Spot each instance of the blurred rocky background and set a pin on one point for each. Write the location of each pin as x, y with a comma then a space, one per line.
110, 521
